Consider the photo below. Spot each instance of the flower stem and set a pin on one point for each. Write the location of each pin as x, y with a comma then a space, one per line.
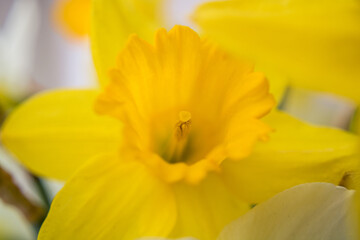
11, 194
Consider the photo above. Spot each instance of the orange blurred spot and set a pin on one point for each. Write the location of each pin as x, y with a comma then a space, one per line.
73, 17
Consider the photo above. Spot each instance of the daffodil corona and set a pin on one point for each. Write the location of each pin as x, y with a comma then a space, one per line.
185, 105
186, 161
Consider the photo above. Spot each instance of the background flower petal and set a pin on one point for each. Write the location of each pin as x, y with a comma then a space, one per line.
316, 43
307, 211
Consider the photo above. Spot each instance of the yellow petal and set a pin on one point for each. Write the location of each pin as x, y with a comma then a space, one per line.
111, 199
295, 153
316, 43
55, 132
112, 23
307, 211
204, 210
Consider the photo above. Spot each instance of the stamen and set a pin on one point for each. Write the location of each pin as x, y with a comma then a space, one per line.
183, 126
178, 144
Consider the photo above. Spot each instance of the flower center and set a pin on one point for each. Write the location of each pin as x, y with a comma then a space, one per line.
177, 148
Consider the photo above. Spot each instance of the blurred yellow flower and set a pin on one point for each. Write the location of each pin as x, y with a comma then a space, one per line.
316, 44
133, 16
185, 162
73, 16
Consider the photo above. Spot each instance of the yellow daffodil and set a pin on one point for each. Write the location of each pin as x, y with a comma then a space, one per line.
73, 16
307, 211
171, 149
316, 44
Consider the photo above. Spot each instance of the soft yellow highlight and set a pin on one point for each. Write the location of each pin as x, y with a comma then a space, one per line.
315, 43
